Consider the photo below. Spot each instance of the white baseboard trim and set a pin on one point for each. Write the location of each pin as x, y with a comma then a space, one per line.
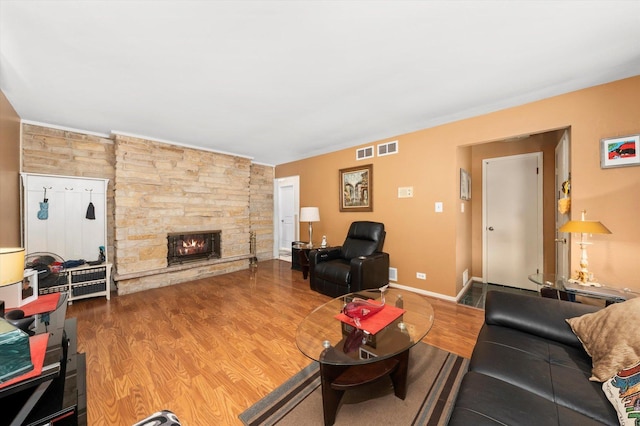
423, 292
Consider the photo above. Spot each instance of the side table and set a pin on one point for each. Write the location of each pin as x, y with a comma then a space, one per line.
300, 257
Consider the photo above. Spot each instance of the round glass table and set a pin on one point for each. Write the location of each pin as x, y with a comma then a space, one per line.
349, 356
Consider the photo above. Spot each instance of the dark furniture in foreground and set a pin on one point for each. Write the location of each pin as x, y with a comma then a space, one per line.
358, 264
57, 395
529, 368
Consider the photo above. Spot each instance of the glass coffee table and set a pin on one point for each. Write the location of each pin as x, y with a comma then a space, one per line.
349, 357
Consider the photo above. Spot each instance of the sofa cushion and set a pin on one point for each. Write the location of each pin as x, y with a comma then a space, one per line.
553, 371
534, 315
609, 337
337, 271
485, 400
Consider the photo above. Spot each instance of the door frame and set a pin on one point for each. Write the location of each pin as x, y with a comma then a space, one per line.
277, 183
540, 212
562, 241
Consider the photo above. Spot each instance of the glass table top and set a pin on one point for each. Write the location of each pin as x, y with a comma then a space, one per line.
322, 337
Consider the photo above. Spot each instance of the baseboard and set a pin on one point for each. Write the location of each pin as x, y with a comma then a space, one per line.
423, 292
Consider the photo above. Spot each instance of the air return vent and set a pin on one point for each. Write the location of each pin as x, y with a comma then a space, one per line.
364, 153
388, 148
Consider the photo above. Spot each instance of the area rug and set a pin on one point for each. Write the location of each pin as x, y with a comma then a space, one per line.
433, 380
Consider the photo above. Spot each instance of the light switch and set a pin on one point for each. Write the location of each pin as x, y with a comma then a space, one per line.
461, 207
439, 207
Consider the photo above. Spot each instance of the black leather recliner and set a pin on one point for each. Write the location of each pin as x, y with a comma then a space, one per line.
358, 264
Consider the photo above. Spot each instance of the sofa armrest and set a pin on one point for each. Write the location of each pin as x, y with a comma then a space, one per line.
323, 254
535, 315
370, 271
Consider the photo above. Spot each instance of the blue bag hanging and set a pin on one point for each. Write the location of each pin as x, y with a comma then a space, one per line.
43, 213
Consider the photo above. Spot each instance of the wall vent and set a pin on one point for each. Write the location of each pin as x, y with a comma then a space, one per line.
388, 148
364, 153
393, 274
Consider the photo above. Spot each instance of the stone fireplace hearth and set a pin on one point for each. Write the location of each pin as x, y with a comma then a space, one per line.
191, 246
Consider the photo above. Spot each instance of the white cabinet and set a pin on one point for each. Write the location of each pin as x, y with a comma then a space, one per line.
65, 226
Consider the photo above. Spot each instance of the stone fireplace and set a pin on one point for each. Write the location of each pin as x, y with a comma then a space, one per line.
190, 246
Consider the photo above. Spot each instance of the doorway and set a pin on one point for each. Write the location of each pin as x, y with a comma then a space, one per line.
512, 219
563, 190
287, 205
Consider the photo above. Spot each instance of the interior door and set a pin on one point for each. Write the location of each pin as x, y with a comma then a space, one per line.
287, 217
287, 204
562, 175
512, 219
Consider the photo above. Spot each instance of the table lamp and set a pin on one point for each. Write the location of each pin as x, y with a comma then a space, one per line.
11, 265
584, 227
310, 214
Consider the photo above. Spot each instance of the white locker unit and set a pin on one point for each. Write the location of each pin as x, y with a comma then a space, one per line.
65, 229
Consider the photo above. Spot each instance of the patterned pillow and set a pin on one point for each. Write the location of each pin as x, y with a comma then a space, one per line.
610, 337
623, 391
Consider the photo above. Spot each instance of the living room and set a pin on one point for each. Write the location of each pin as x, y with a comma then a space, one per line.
153, 189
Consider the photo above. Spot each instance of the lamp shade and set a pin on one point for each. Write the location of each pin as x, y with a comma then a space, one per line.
11, 265
584, 227
309, 214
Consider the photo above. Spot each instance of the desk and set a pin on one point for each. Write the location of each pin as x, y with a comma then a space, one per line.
58, 393
322, 338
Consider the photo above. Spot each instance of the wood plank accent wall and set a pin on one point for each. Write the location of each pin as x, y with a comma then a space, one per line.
52, 151
156, 188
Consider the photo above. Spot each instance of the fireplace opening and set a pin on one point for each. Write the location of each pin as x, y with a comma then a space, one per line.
189, 246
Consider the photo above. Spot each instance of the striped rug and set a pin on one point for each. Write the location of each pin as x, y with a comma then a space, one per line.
433, 381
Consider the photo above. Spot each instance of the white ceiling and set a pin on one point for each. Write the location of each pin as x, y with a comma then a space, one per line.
283, 80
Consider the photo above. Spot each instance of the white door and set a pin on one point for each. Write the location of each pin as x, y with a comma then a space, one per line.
287, 217
562, 176
287, 204
512, 219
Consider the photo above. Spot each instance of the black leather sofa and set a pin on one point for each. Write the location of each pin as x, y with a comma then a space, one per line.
358, 264
529, 368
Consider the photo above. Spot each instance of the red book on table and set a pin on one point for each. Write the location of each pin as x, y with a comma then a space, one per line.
376, 322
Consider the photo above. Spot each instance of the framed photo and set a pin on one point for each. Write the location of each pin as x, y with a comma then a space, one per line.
619, 152
356, 189
465, 185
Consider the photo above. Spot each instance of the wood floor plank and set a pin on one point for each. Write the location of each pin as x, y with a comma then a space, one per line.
210, 348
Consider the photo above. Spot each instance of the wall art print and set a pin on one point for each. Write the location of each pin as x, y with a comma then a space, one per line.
356, 189
619, 152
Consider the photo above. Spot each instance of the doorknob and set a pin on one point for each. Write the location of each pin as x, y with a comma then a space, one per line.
561, 240
490, 228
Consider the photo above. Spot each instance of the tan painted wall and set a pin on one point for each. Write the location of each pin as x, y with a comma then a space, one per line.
420, 240
9, 174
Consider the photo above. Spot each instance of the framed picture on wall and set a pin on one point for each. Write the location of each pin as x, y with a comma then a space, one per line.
356, 189
465, 185
619, 152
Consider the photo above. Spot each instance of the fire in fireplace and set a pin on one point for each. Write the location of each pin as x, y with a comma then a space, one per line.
190, 246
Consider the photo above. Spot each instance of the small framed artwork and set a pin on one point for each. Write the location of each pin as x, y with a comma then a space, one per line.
356, 189
465, 185
619, 152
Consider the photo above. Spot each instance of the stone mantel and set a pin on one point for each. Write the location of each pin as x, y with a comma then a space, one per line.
182, 267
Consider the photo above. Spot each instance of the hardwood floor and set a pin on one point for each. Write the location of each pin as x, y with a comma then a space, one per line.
208, 349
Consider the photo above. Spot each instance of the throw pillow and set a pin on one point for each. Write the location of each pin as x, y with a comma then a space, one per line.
623, 391
610, 337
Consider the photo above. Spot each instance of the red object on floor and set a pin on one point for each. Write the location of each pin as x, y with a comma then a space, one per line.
45, 303
38, 348
377, 322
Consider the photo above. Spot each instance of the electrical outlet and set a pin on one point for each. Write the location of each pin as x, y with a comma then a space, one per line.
421, 275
